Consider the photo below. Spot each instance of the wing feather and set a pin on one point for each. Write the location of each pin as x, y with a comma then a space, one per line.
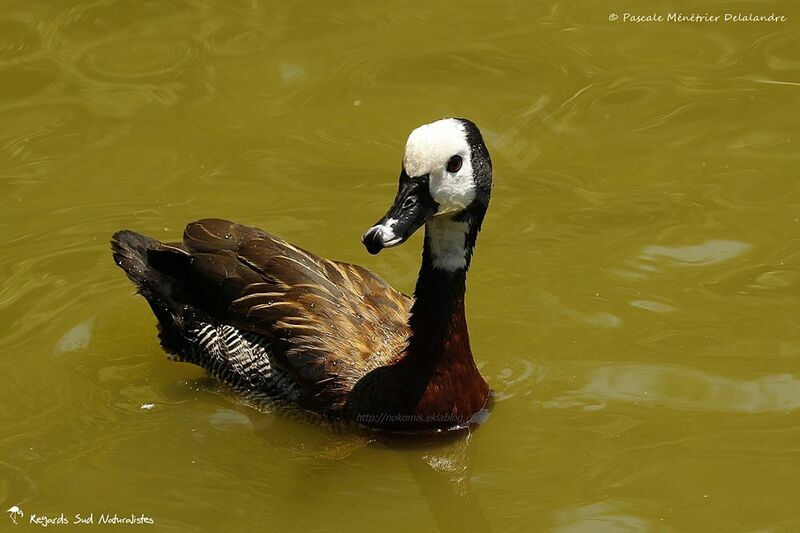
330, 322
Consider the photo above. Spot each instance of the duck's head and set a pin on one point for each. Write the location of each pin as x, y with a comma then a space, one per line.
446, 175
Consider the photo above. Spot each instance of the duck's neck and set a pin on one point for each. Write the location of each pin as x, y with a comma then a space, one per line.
439, 352
438, 310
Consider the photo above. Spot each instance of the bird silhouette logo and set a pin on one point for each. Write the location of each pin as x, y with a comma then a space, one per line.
15, 512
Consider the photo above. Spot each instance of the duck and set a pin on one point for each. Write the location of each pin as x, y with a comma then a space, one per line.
278, 324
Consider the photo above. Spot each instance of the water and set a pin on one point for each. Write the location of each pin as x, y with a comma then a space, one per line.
633, 299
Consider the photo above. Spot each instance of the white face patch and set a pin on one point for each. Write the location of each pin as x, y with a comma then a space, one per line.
428, 150
448, 243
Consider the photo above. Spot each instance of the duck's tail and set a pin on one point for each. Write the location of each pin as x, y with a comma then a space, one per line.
238, 358
141, 258
130, 250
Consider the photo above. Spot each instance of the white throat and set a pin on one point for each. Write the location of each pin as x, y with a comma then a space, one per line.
447, 239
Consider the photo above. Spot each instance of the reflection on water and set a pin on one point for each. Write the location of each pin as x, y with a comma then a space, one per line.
77, 338
687, 389
708, 253
633, 299
604, 516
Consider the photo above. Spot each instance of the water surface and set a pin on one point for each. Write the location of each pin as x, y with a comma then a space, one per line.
633, 299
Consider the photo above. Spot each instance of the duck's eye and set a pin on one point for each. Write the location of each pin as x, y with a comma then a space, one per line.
454, 165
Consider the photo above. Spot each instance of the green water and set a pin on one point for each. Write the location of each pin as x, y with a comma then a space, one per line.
634, 298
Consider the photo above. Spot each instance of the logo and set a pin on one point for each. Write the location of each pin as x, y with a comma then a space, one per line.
15, 512
16, 515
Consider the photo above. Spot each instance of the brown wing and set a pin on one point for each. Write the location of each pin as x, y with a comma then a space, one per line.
330, 322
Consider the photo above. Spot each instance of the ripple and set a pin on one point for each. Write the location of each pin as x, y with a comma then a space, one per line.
136, 58
229, 420
125, 101
630, 93
782, 53
233, 41
776, 279
708, 253
89, 21
17, 38
16, 483
23, 81
656, 307
687, 46
688, 389
77, 338
604, 516
36, 292
515, 378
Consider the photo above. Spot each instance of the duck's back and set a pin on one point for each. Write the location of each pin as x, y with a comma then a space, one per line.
268, 318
